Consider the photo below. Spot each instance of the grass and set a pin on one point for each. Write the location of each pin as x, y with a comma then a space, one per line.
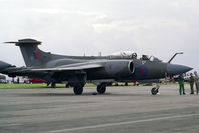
23, 86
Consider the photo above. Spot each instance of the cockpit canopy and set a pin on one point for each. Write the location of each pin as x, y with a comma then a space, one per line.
133, 55
124, 54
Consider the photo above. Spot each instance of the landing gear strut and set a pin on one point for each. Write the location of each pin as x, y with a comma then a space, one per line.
155, 90
101, 89
77, 82
53, 85
67, 85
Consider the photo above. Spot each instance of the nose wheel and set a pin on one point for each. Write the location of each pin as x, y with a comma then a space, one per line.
155, 90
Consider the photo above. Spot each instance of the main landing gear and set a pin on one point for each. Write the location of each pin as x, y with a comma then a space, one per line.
155, 90
78, 90
101, 89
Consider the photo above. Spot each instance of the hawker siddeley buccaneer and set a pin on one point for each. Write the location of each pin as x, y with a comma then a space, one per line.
76, 71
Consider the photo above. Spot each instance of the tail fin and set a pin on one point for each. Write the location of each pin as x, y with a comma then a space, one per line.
33, 56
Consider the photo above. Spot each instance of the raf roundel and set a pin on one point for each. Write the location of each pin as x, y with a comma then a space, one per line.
143, 70
35, 55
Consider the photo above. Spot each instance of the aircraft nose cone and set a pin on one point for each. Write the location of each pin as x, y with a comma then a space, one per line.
174, 69
3, 65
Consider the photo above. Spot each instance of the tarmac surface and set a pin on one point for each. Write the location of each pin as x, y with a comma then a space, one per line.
120, 110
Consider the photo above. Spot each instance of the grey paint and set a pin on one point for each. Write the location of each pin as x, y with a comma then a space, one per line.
78, 69
176, 69
4, 65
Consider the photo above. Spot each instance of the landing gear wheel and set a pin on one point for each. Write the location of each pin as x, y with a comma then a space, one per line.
101, 89
154, 91
53, 85
78, 90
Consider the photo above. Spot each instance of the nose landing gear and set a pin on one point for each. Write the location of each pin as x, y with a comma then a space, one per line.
155, 90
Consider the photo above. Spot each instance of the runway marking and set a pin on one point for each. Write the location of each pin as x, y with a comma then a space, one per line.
121, 123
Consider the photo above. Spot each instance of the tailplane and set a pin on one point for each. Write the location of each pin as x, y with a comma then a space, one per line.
33, 56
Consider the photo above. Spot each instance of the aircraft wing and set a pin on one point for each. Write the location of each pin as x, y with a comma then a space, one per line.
72, 67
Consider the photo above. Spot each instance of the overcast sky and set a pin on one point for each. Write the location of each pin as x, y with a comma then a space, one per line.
74, 27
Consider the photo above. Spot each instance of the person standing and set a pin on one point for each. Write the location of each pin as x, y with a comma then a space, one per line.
196, 78
191, 81
181, 84
18, 80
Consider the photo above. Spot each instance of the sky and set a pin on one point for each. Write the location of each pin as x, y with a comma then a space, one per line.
74, 27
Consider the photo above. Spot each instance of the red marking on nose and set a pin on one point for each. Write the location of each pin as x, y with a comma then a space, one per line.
142, 70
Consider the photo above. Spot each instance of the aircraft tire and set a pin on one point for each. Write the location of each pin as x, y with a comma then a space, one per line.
154, 91
101, 89
78, 90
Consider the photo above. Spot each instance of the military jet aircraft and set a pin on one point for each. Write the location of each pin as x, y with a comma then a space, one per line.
76, 71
